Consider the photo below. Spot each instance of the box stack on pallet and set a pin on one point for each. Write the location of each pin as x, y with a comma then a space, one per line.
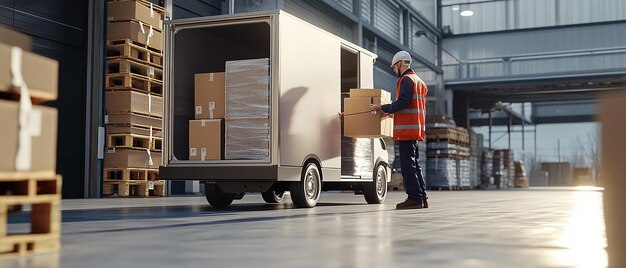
504, 168
521, 179
448, 164
487, 176
499, 177
476, 149
28, 144
134, 99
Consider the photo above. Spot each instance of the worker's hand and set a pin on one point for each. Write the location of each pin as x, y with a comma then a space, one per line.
375, 107
385, 115
340, 115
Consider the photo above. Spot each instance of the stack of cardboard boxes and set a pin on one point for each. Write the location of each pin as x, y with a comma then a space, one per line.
28, 143
133, 101
503, 169
232, 113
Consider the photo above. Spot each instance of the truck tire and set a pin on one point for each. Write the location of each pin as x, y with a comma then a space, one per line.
306, 193
273, 197
375, 192
216, 197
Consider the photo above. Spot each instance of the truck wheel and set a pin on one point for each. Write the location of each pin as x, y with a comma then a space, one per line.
305, 193
216, 197
375, 192
273, 197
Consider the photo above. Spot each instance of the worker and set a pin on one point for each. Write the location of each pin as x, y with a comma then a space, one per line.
409, 111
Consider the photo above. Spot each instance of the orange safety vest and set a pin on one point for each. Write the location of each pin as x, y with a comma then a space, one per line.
410, 122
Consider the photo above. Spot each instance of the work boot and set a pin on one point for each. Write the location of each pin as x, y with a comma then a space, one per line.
410, 203
425, 203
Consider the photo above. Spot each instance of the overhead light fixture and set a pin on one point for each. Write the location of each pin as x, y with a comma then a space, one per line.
456, 8
467, 13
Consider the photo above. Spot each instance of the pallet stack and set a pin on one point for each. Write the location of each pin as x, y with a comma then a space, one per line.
521, 178
134, 99
503, 168
476, 150
448, 165
28, 144
487, 166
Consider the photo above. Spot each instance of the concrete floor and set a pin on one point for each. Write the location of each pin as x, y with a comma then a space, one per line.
525, 228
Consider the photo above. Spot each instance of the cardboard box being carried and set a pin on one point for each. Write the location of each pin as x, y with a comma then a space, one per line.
13, 38
209, 96
135, 102
42, 128
131, 10
205, 139
359, 122
122, 158
136, 32
40, 74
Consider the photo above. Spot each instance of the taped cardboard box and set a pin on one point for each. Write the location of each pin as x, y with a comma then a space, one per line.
205, 139
121, 158
14, 38
359, 122
137, 32
384, 95
42, 136
209, 99
40, 74
248, 89
133, 102
131, 10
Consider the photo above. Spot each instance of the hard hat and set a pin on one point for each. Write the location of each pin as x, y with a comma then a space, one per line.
401, 55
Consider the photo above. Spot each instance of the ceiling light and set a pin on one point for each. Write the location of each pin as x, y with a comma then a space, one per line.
467, 13
456, 8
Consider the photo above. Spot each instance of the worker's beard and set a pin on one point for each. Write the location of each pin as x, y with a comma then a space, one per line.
398, 74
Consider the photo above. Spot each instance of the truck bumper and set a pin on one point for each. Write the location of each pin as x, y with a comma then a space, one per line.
217, 174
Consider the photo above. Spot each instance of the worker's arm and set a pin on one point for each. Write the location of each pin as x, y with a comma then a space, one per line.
406, 96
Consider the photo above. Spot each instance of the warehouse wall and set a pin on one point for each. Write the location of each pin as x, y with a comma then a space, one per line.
58, 29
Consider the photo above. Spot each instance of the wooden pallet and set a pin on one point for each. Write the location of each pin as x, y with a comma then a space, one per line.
134, 119
129, 81
131, 174
134, 129
43, 194
133, 141
395, 188
133, 188
127, 66
128, 49
136, 43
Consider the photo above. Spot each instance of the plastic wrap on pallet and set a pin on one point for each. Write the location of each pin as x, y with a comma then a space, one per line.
464, 173
247, 89
442, 172
356, 156
247, 139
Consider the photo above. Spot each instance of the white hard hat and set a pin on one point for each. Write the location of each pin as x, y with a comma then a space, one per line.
401, 55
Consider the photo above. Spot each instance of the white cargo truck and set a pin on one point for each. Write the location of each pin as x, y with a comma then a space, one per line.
299, 147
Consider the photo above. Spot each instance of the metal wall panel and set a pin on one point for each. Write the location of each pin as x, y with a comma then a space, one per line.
347, 4
387, 19
428, 8
423, 45
196, 8
366, 10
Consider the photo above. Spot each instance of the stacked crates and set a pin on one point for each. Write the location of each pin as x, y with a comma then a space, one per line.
448, 164
28, 143
134, 99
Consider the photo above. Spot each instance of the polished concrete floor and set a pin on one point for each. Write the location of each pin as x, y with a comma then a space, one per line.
561, 227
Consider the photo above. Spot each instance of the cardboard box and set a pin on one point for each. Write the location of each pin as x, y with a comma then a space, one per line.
371, 93
247, 89
359, 122
247, 139
13, 38
43, 138
135, 102
121, 158
209, 96
131, 10
40, 74
205, 139
133, 31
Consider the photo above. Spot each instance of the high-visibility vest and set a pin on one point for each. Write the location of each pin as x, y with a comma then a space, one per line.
410, 122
